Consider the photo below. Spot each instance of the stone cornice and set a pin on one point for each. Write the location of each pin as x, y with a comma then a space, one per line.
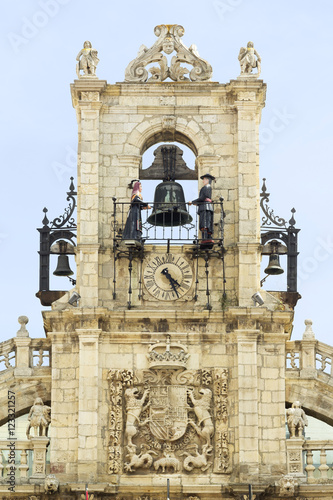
87, 85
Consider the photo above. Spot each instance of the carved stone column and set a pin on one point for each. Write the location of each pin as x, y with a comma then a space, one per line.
308, 352
22, 356
40, 444
295, 462
22, 342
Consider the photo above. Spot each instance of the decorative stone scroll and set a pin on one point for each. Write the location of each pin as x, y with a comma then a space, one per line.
169, 40
169, 419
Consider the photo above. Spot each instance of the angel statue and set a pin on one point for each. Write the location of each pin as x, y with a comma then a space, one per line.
88, 61
249, 58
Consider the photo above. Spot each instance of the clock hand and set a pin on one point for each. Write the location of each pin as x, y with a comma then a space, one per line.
173, 282
168, 275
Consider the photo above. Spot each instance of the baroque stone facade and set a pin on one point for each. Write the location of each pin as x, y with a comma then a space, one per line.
147, 387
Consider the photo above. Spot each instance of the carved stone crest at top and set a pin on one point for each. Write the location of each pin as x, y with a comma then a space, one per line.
169, 40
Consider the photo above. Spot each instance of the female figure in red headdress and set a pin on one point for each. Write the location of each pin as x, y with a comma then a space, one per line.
133, 226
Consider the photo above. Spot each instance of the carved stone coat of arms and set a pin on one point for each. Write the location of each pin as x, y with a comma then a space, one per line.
168, 418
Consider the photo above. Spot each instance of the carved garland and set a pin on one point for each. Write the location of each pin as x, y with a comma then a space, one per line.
117, 380
222, 453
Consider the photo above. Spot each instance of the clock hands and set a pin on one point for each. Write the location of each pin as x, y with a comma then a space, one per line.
173, 282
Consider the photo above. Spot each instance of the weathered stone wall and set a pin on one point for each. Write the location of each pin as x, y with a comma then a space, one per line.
117, 123
249, 345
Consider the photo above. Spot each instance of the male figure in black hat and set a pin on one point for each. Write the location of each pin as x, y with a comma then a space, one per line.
205, 211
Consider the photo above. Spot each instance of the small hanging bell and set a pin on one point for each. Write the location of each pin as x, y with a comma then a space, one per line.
63, 268
274, 267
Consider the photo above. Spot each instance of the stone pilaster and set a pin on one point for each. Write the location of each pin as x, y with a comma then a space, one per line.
86, 99
22, 367
248, 117
295, 462
248, 419
88, 404
40, 444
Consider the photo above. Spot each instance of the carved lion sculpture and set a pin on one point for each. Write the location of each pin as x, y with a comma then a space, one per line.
51, 484
134, 407
201, 408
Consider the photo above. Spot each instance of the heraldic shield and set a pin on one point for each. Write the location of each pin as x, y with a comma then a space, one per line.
168, 411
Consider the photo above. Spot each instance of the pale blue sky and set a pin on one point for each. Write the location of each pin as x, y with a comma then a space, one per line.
40, 41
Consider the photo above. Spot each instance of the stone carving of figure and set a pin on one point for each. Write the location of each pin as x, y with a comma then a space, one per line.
133, 226
168, 45
87, 60
39, 418
134, 407
296, 420
205, 211
249, 58
201, 407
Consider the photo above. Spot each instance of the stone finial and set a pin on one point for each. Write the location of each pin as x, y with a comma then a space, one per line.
87, 61
308, 334
23, 332
169, 41
249, 59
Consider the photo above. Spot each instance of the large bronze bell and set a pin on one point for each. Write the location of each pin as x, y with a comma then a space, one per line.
274, 267
63, 268
169, 206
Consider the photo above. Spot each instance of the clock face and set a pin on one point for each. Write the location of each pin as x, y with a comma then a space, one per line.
168, 277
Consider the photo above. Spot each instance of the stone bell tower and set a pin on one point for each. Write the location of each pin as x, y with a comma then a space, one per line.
186, 386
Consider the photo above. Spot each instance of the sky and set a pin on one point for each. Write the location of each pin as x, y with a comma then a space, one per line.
40, 42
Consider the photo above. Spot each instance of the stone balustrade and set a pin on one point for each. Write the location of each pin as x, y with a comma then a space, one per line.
7, 355
309, 358
24, 354
310, 460
318, 463
29, 456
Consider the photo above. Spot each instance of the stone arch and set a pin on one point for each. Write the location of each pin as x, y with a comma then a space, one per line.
26, 391
170, 129
315, 396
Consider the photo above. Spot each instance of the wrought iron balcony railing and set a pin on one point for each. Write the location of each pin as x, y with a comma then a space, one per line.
167, 225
